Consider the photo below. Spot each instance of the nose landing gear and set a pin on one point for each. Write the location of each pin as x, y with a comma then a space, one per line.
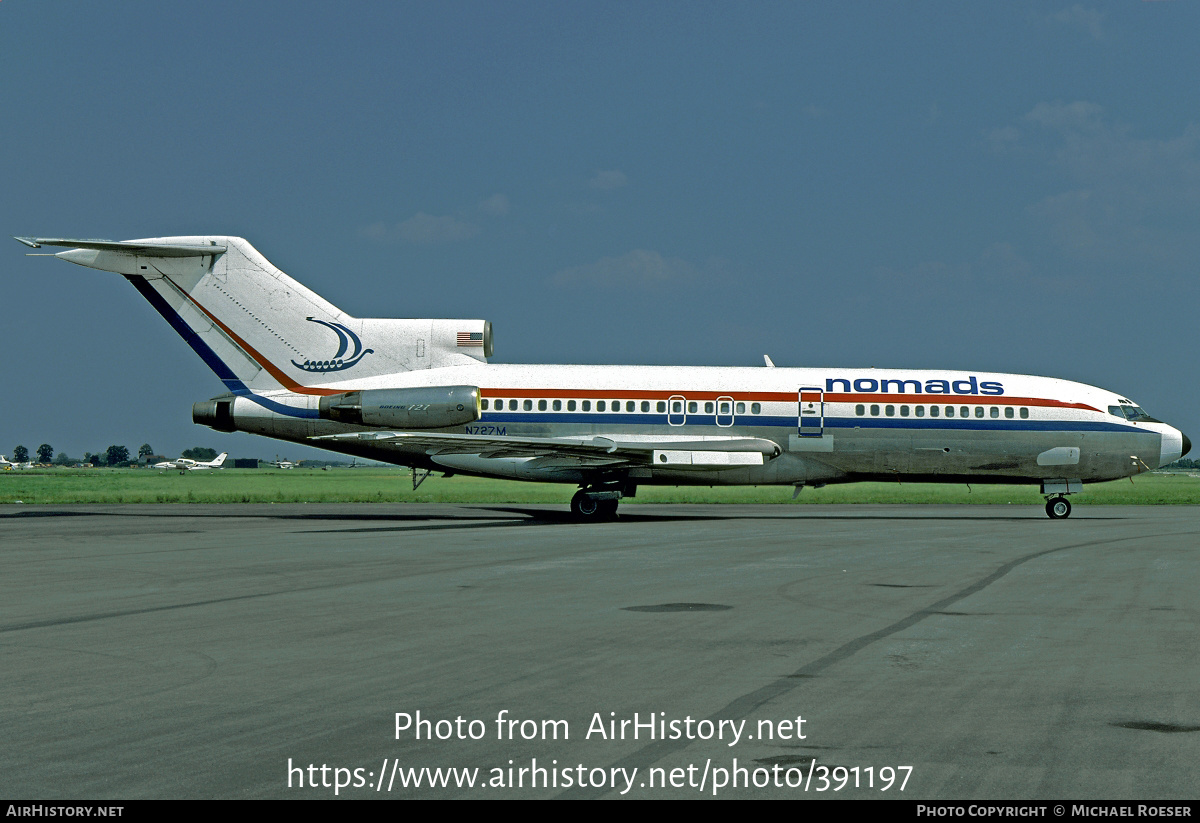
1058, 508
1055, 492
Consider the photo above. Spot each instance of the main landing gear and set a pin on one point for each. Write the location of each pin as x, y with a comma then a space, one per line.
587, 508
596, 503
1058, 508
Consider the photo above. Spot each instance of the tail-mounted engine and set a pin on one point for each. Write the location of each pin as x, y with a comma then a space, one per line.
421, 408
216, 414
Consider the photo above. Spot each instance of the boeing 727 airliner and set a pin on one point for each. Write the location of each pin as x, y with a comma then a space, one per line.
421, 393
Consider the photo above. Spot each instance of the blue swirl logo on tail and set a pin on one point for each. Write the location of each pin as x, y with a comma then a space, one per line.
341, 360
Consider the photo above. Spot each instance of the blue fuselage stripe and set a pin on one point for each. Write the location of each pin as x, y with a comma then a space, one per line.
636, 419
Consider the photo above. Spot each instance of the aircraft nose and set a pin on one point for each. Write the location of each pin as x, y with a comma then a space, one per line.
1175, 444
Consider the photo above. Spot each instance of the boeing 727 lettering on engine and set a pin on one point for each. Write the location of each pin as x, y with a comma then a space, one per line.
421, 393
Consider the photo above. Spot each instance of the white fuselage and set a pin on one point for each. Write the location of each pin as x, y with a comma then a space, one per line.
858, 423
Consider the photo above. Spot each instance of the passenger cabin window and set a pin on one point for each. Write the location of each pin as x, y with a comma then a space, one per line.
860, 409
661, 407
949, 411
995, 412
708, 407
483, 404
979, 411
587, 405
570, 405
933, 411
600, 406
904, 411
964, 411
1024, 413
558, 405
920, 410
741, 408
890, 411
1008, 412
755, 408
541, 405
528, 405
874, 410
512, 405
692, 407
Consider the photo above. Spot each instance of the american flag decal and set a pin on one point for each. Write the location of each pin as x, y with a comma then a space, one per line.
470, 338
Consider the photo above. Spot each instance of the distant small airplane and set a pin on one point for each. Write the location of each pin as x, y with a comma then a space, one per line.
190, 465
7, 465
282, 464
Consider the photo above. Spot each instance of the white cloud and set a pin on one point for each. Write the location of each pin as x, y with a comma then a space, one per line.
608, 180
638, 269
422, 229
1058, 115
999, 273
1002, 263
1003, 139
496, 205
1088, 20
1126, 198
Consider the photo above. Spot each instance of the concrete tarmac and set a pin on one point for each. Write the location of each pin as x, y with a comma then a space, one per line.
966, 652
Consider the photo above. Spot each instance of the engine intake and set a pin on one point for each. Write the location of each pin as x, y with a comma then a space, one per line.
422, 408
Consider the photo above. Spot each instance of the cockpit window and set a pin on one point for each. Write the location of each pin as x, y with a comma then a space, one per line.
1129, 412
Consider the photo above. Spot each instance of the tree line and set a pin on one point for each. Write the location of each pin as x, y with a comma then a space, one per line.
112, 456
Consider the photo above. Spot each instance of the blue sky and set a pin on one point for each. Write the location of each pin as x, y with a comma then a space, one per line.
1004, 187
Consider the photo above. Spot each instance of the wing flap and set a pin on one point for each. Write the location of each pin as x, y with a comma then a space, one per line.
700, 453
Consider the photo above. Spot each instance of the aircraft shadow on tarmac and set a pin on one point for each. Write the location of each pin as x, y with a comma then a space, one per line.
631, 515
484, 516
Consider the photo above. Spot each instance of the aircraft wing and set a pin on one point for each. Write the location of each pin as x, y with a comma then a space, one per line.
699, 452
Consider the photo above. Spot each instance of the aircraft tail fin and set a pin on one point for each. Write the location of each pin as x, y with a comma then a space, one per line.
216, 464
259, 329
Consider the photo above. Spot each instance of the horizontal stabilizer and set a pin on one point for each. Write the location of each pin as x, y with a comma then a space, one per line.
126, 247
